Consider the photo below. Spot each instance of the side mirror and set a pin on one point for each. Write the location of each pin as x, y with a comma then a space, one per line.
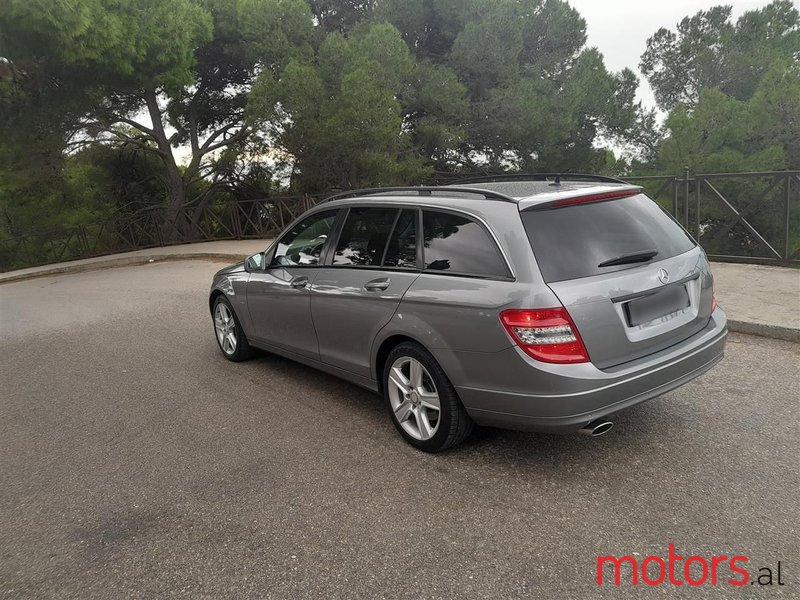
254, 262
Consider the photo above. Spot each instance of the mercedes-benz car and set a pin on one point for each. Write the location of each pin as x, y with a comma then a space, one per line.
546, 303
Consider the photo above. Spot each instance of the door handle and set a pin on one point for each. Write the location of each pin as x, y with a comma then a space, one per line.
377, 284
299, 282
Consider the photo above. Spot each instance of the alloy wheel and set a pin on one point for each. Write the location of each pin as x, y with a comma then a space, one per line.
414, 398
225, 326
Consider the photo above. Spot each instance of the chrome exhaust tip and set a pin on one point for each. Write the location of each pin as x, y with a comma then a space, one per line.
596, 428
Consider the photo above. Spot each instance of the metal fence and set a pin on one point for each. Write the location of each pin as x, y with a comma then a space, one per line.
150, 228
738, 217
741, 217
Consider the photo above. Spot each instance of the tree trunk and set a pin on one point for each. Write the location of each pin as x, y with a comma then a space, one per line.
197, 212
173, 227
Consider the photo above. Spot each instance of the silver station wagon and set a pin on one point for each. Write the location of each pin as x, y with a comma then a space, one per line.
540, 304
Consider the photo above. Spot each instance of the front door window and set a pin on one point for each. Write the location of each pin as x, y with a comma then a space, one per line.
302, 245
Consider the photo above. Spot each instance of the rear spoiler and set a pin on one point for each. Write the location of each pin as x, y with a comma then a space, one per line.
578, 196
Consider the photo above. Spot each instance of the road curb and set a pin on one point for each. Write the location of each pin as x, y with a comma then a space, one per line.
122, 261
770, 331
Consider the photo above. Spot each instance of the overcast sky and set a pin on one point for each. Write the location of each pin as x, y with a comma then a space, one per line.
620, 28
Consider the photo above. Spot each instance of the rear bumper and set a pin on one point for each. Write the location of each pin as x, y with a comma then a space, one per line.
532, 396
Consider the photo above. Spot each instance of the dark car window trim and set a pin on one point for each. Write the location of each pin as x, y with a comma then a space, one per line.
420, 241
330, 248
373, 268
391, 234
466, 275
509, 276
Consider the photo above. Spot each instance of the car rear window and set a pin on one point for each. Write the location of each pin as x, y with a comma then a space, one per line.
572, 241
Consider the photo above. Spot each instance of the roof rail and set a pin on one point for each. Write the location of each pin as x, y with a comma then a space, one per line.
557, 177
421, 191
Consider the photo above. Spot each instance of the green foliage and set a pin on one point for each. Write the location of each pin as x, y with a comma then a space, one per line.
731, 89
98, 96
775, 111
339, 116
146, 73
133, 41
429, 27
436, 112
537, 99
708, 51
275, 30
725, 134
87, 187
340, 16
497, 26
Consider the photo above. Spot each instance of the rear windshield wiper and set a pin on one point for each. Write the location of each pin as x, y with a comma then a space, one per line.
633, 257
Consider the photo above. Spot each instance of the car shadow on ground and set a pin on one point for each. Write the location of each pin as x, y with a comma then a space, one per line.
640, 428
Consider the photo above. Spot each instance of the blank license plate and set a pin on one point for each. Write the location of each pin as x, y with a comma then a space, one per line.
648, 308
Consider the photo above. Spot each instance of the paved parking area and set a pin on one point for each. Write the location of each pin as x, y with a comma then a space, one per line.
136, 462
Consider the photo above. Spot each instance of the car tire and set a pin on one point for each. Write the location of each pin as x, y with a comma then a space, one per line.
225, 321
413, 385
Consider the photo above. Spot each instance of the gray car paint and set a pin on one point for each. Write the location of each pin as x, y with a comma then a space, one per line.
609, 341
280, 313
335, 325
348, 315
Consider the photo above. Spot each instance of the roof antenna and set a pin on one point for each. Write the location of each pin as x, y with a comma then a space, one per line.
558, 179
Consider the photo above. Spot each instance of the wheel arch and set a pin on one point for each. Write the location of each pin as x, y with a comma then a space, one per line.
213, 298
384, 349
389, 343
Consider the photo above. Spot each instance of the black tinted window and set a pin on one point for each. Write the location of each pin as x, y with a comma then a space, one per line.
457, 244
402, 248
571, 241
364, 236
303, 244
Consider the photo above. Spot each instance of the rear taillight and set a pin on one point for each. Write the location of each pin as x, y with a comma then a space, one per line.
713, 302
546, 334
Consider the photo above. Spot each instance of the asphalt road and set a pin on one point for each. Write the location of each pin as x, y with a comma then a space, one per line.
136, 462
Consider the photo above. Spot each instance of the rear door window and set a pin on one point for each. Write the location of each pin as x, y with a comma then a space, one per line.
364, 235
571, 242
459, 245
